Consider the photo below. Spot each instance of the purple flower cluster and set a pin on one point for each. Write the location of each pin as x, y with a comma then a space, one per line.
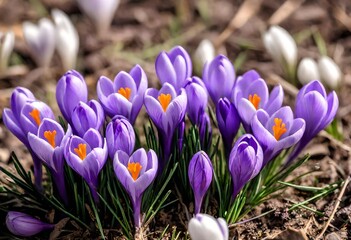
86, 144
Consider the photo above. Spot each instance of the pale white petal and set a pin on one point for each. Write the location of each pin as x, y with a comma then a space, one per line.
330, 72
307, 71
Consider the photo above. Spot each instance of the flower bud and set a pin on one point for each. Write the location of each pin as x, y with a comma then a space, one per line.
307, 71
7, 42
330, 72
200, 173
205, 52
24, 225
206, 227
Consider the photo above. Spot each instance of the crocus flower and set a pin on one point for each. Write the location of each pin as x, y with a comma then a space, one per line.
228, 121
135, 173
276, 132
48, 144
219, 76
125, 95
70, 90
206, 227
330, 72
307, 71
120, 136
197, 99
205, 131
245, 161
100, 12
200, 172
67, 39
7, 42
40, 40
317, 109
174, 67
24, 225
87, 156
251, 93
87, 115
204, 53
167, 110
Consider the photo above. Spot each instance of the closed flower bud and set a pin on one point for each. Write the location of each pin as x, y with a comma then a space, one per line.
200, 174
7, 42
206, 227
205, 131
67, 39
330, 72
120, 136
307, 71
40, 40
24, 225
204, 53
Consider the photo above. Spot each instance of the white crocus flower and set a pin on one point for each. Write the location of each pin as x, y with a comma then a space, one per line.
100, 12
282, 47
67, 39
206, 227
307, 71
40, 40
205, 52
7, 42
330, 72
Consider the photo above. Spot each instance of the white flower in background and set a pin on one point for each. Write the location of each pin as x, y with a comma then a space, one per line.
67, 39
330, 72
7, 42
40, 40
205, 52
206, 227
282, 47
100, 12
307, 71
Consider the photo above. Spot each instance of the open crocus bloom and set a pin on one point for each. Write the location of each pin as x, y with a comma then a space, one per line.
87, 156
206, 227
251, 93
136, 173
125, 95
276, 132
174, 67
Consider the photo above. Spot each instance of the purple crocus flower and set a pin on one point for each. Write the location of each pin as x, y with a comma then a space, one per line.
197, 99
48, 145
219, 77
125, 95
167, 110
245, 161
205, 131
120, 136
87, 156
200, 172
70, 90
24, 225
276, 132
136, 173
228, 122
174, 67
206, 227
251, 93
87, 115
317, 109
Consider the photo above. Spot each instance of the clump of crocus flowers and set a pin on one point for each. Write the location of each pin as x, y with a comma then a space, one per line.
97, 133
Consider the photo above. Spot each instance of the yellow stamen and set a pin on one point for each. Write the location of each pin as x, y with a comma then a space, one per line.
125, 92
164, 99
81, 150
50, 136
255, 100
134, 169
279, 128
35, 114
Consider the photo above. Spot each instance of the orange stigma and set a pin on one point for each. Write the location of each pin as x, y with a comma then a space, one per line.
279, 128
255, 100
125, 92
50, 136
81, 150
134, 169
35, 114
164, 99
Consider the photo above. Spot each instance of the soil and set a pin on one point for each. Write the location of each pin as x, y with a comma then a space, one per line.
142, 28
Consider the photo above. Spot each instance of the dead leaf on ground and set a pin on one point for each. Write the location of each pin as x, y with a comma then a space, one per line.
291, 234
